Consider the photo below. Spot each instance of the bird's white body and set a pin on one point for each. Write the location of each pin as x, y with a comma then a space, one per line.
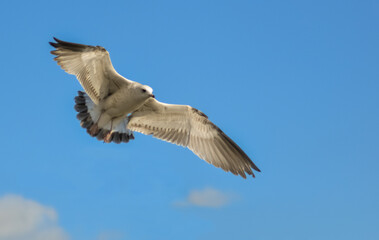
122, 102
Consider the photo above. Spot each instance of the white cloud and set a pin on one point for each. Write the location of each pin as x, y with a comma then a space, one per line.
23, 219
208, 197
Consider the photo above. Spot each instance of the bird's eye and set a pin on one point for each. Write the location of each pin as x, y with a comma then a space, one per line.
143, 90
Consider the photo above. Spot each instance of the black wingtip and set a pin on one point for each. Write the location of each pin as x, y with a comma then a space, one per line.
255, 168
75, 47
54, 44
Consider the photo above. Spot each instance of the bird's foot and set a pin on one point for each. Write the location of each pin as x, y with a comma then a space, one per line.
108, 137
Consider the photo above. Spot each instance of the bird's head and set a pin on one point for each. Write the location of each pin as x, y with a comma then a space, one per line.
147, 91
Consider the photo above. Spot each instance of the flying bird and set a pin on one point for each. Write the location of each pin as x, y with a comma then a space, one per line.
112, 107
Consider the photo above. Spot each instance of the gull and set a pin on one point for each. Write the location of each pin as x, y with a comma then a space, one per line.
113, 107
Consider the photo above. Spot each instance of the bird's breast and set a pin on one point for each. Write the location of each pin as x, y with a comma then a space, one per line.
122, 103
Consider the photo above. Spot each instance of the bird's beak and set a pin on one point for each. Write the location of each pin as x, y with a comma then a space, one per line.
152, 95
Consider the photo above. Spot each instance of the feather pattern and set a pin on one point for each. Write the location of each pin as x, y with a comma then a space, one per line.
92, 67
189, 127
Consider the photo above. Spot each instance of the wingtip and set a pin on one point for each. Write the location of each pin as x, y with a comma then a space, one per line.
53, 44
56, 43
243, 175
75, 47
253, 166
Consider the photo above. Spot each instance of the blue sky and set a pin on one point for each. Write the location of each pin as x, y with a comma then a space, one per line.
294, 83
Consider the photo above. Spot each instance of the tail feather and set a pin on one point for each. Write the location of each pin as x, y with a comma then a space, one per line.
102, 133
81, 108
86, 124
88, 113
82, 116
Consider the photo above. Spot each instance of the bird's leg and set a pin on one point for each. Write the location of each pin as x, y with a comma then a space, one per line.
94, 129
107, 138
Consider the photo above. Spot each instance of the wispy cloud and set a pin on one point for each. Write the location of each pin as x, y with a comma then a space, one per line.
24, 219
207, 197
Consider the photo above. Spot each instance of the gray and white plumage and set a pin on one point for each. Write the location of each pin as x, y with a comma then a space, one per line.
112, 107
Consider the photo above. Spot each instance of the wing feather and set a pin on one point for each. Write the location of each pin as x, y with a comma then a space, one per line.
92, 67
188, 127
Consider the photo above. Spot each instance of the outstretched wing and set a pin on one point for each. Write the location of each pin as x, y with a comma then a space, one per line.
92, 67
188, 127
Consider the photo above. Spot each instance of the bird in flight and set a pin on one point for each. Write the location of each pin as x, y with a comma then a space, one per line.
112, 107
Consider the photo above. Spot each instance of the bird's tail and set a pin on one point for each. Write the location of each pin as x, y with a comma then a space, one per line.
88, 115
